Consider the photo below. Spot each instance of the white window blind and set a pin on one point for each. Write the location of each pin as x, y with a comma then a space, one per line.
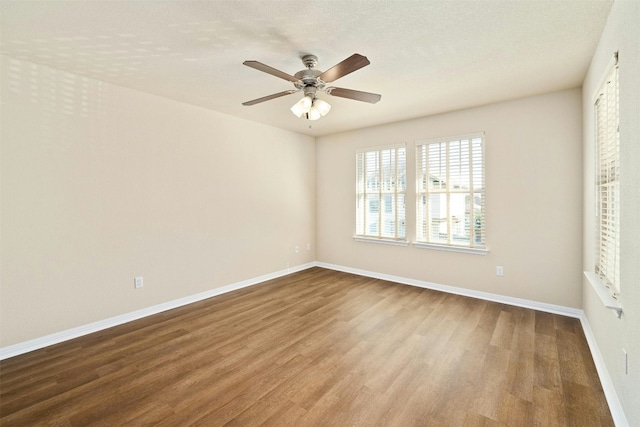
451, 192
381, 192
608, 183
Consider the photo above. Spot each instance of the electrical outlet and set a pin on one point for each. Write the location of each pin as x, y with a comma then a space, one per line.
499, 271
296, 249
137, 282
308, 246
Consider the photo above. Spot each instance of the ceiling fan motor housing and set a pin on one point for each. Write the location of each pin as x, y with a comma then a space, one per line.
310, 61
310, 91
308, 77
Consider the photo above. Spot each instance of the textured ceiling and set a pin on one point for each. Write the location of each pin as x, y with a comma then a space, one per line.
426, 56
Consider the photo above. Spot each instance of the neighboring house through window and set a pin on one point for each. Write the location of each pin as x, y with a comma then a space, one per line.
381, 193
450, 197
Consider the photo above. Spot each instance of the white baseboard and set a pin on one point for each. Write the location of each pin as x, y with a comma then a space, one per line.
58, 337
519, 302
615, 407
617, 413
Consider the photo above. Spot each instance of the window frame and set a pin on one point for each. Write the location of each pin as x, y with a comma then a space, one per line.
606, 158
424, 192
362, 191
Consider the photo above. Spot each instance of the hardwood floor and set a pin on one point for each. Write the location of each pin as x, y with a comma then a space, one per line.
316, 348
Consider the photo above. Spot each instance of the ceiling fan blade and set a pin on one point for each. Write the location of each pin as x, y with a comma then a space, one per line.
369, 97
270, 70
268, 97
349, 65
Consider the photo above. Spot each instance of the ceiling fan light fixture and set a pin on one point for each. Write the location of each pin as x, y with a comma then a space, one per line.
312, 82
302, 107
310, 109
314, 113
322, 106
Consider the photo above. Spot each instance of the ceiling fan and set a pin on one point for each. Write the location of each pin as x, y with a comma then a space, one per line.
311, 81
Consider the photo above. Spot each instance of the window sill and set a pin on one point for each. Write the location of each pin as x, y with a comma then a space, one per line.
377, 240
461, 249
603, 293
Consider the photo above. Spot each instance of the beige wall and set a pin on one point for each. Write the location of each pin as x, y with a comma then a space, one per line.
622, 34
101, 184
534, 200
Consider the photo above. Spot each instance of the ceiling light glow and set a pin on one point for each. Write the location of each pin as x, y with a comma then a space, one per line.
310, 108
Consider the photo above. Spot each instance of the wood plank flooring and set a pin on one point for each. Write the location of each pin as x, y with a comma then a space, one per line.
316, 348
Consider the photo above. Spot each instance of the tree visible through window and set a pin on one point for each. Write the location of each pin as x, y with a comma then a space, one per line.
450, 192
381, 192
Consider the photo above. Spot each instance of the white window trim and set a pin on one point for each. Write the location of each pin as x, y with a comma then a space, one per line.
452, 248
477, 250
379, 239
381, 147
451, 138
600, 286
603, 293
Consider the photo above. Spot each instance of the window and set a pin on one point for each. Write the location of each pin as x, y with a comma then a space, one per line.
381, 192
450, 193
608, 183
